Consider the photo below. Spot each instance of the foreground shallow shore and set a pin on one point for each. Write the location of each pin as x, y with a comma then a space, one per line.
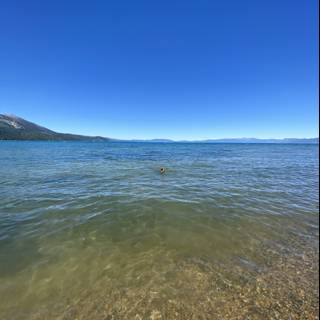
198, 292
145, 280
197, 289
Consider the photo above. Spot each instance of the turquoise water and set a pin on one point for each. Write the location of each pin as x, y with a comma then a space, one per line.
94, 231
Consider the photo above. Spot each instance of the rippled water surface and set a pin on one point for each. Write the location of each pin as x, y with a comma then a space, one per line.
93, 231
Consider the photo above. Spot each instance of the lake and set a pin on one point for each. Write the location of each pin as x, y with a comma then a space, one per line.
92, 230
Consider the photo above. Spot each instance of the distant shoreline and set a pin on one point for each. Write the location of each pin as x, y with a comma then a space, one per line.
13, 128
166, 142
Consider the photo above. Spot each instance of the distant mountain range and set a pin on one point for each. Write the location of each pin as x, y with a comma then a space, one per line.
15, 128
255, 140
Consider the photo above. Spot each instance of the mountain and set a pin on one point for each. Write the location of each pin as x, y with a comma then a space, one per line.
237, 140
15, 128
255, 140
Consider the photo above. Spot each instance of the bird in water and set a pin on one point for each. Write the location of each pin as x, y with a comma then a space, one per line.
162, 170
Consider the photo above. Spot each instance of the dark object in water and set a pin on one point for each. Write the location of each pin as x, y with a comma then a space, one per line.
162, 170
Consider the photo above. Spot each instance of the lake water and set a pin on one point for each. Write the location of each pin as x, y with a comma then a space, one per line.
94, 231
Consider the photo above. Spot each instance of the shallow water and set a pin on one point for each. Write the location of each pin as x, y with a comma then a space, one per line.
93, 231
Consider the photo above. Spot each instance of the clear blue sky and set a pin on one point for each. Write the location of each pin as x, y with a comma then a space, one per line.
162, 69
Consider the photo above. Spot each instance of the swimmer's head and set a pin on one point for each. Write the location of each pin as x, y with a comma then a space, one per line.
162, 170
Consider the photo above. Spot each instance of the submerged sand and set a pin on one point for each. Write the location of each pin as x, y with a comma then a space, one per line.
286, 288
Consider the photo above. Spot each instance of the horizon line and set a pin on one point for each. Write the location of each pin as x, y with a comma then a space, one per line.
166, 139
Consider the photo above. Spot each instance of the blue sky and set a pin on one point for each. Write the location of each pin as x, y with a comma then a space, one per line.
162, 69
